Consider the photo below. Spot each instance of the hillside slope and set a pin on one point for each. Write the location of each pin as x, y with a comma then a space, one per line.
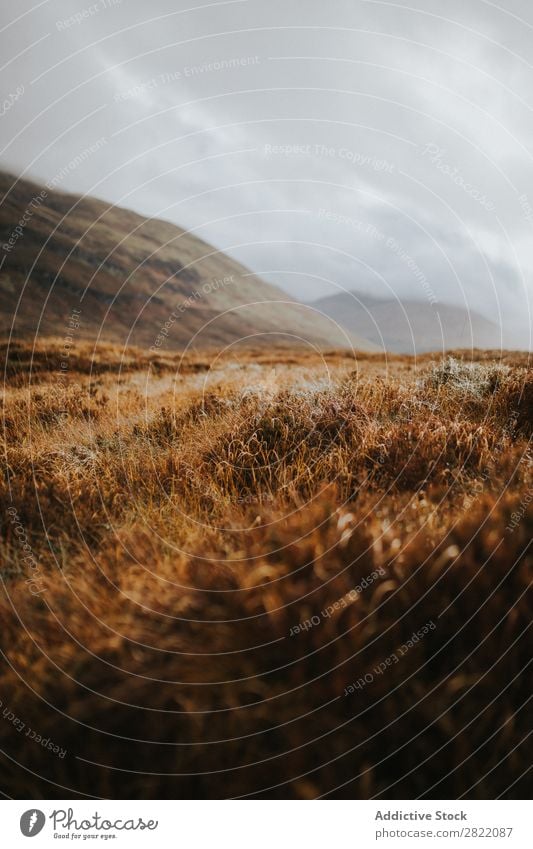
410, 326
136, 280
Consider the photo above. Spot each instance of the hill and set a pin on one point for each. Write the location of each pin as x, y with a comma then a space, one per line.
410, 326
135, 280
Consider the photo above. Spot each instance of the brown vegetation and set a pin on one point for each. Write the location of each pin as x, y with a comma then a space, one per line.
170, 523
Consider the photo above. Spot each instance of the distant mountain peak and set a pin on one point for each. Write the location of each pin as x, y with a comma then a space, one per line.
408, 325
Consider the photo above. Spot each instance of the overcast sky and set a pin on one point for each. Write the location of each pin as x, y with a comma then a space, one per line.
355, 144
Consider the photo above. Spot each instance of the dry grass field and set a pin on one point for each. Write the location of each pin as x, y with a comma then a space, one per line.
265, 574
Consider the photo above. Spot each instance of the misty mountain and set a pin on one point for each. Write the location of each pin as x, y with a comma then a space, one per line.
410, 326
133, 280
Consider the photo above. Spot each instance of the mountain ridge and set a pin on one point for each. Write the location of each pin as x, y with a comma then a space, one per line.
410, 325
129, 274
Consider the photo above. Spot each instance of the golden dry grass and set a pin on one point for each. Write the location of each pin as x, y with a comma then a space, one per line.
170, 523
